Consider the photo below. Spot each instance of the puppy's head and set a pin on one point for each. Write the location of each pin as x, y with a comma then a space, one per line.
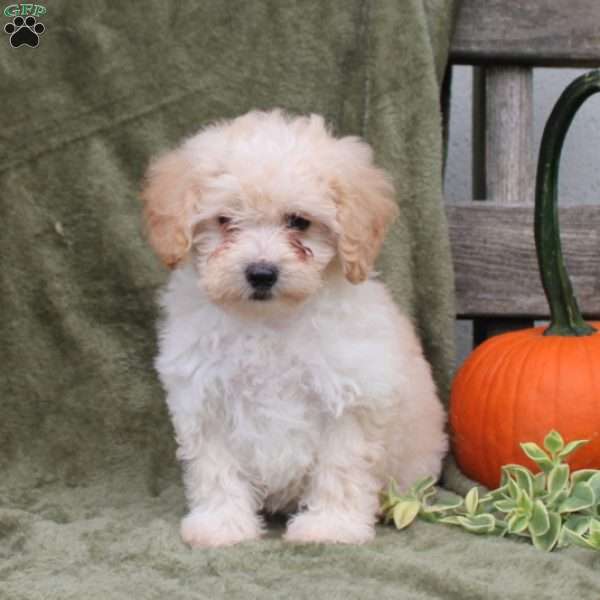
267, 206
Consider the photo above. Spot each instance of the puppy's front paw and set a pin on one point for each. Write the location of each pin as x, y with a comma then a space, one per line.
202, 528
330, 527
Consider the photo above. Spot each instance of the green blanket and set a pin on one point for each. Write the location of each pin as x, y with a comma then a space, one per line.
90, 494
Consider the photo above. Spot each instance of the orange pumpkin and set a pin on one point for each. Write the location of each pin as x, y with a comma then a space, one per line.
518, 386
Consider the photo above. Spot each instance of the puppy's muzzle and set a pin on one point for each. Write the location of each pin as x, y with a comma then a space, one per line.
262, 276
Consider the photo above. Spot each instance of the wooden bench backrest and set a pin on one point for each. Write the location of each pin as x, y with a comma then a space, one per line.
497, 281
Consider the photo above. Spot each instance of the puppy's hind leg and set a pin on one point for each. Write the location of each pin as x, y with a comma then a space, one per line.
416, 442
341, 500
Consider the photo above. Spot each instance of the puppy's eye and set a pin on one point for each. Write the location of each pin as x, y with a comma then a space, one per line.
297, 222
222, 220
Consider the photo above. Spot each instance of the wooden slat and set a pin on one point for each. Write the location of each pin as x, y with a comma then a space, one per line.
495, 264
509, 131
528, 32
502, 153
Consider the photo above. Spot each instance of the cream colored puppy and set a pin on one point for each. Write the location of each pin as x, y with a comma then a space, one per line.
293, 381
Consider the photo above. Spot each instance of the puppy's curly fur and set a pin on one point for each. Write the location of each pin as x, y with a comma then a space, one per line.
293, 381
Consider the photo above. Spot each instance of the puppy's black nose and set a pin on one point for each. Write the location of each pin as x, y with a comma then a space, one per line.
262, 276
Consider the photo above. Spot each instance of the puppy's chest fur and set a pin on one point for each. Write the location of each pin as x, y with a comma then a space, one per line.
266, 390
262, 396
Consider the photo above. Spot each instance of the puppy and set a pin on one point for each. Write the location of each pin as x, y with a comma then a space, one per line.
293, 381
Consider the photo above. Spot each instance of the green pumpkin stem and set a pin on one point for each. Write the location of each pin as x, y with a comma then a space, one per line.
566, 319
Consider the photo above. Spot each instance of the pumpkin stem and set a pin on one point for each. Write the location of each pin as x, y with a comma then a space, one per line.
566, 319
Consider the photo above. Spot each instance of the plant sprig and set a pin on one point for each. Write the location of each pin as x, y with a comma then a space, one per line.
554, 508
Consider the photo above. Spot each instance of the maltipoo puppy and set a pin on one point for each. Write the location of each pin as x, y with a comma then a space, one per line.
293, 381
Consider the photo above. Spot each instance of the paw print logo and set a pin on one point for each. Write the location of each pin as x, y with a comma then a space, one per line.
24, 31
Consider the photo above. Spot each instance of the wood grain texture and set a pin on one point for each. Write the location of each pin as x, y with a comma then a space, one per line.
508, 134
502, 153
495, 264
531, 32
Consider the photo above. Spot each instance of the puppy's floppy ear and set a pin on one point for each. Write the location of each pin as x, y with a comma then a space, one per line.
365, 202
168, 196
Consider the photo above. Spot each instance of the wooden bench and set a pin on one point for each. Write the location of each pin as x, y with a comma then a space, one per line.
497, 281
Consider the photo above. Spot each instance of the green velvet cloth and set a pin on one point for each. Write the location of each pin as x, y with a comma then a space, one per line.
90, 493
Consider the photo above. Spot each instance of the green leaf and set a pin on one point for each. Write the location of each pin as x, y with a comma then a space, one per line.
423, 486
578, 523
548, 540
392, 491
505, 506
495, 495
582, 496
583, 475
553, 442
444, 504
524, 503
478, 523
540, 521
594, 483
522, 477
405, 513
533, 451
518, 523
594, 542
539, 484
388, 499
451, 520
501, 527
387, 517
558, 502
428, 495
571, 447
594, 528
513, 489
430, 517
471, 501
558, 481
538, 456
593, 538
577, 539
